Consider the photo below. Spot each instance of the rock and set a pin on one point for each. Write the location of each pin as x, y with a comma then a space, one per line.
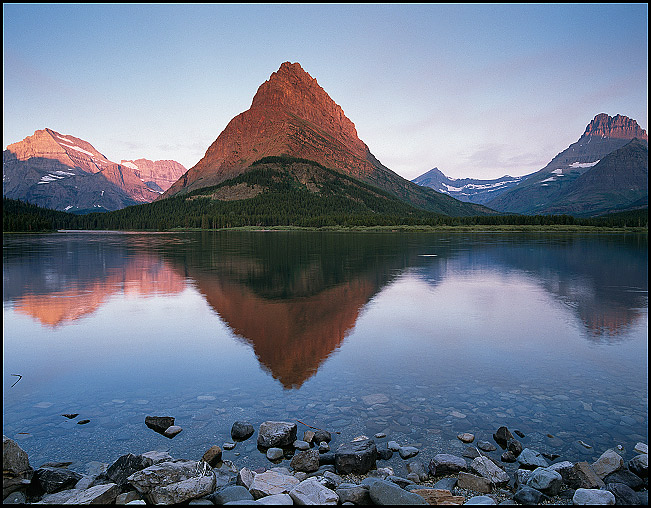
332, 478
99, 494
270, 483
384, 454
306, 461
446, 484
624, 495
322, 435
641, 448
154, 457
399, 481
241, 431
16, 471
54, 479
15, 498
301, 445
640, 465
276, 499
593, 497
508, 456
528, 496
393, 446
159, 423
626, 477
276, 434
122, 468
162, 474
439, 496
310, 491
357, 494
213, 455
486, 446
531, 459
230, 493
473, 482
583, 476
380, 435
466, 437
245, 477
324, 447
407, 452
356, 457
127, 497
609, 462
481, 500
518, 433
229, 446
185, 490
563, 468
375, 398
327, 458
501, 436
418, 468
471, 452
546, 481
514, 446
485, 467
445, 463
275, 454
172, 431
83, 422
70, 416
388, 493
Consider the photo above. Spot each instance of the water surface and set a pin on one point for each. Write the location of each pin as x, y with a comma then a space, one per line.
419, 336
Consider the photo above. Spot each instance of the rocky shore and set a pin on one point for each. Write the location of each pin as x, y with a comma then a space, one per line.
314, 469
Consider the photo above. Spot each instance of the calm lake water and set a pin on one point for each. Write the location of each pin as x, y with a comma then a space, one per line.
419, 336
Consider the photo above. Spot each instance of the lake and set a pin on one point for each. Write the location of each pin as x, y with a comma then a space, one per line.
420, 336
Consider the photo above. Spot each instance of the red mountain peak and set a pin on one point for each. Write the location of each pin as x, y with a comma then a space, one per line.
619, 126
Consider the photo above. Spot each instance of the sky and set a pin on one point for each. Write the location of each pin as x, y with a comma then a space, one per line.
477, 90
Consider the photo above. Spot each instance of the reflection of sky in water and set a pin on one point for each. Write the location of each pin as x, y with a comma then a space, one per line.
165, 326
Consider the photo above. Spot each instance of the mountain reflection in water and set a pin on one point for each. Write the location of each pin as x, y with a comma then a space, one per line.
294, 297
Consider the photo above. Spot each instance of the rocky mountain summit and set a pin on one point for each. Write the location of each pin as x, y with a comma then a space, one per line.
63, 172
617, 127
291, 115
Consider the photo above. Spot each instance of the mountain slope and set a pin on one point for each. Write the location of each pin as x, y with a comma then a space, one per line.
535, 194
470, 190
291, 115
620, 181
63, 172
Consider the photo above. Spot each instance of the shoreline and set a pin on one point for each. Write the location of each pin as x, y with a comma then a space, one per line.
316, 468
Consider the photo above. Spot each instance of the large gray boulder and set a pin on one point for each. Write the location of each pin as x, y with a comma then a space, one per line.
593, 497
16, 471
545, 480
185, 490
306, 461
444, 463
276, 434
388, 493
485, 467
174, 482
310, 491
270, 483
531, 459
356, 457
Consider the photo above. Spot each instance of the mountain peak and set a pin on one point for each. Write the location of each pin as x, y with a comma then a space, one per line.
618, 126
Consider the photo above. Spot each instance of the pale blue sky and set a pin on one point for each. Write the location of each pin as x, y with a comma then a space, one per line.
475, 90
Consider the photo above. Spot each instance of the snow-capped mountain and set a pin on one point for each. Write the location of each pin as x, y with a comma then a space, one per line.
63, 172
470, 190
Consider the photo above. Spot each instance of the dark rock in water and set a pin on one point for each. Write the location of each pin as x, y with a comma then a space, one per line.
502, 436
531, 459
626, 477
54, 479
83, 422
518, 433
624, 495
276, 434
322, 435
514, 446
159, 423
70, 416
407, 452
56, 464
241, 431
172, 431
639, 465
384, 454
213, 455
486, 446
508, 456
529, 496
306, 461
550, 456
356, 457
471, 452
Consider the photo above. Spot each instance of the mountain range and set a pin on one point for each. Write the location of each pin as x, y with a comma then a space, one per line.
63, 172
605, 171
295, 152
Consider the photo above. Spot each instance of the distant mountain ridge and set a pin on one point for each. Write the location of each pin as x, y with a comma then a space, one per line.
63, 172
470, 190
291, 115
545, 189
